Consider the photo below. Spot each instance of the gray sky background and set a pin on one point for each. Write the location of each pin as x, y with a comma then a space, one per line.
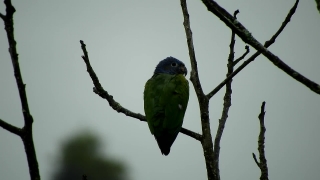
126, 40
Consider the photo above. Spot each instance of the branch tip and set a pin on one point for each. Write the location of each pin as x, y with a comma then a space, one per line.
255, 159
261, 144
243, 56
236, 12
194, 77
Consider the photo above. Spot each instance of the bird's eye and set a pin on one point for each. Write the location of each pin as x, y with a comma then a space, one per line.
174, 64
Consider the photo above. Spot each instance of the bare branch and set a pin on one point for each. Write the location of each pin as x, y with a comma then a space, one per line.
98, 89
10, 127
226, 104
255, 159
235, 62
255, 55
263, 161
8, 21
10, 10
3, 17
194, 76
206, 141
26, 131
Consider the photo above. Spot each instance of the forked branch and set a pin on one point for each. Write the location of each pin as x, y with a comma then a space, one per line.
247, 37
255, 55
26, 132
203, 101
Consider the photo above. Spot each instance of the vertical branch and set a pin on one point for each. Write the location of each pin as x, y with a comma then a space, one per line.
261, 140
206, 140
226, 104
26, 133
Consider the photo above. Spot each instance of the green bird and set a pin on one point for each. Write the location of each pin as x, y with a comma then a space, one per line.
166, 97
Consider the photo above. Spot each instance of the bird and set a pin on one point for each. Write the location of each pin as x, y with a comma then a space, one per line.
166, 96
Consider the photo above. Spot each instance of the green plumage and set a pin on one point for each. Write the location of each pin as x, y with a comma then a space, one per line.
165, 102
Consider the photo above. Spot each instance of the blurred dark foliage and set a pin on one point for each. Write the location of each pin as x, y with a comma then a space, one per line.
81, 155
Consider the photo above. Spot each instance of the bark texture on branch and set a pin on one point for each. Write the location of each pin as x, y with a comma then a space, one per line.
261, 147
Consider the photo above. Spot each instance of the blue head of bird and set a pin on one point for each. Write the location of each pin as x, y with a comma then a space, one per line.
172, 66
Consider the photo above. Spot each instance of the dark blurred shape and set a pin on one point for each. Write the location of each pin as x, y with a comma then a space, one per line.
318, 5
84, 177
81, 155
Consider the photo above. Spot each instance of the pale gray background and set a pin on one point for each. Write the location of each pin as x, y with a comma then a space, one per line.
125, 40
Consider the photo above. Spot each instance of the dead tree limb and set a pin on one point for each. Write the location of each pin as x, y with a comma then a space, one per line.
226, 100
261, 140
26, 132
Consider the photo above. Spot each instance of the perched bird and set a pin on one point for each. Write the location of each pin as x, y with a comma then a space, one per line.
166, 97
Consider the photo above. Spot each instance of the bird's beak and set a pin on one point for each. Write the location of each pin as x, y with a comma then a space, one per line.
183, 70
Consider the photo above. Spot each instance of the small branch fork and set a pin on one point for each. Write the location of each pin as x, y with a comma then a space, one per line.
246, 36
263, 161
255, 55
98, 89
26, 132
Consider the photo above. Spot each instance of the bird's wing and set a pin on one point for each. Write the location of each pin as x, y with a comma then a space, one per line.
165, 102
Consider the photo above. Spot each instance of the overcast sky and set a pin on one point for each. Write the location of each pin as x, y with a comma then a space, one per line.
126, 40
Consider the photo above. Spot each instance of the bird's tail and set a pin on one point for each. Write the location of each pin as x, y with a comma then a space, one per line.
165, 142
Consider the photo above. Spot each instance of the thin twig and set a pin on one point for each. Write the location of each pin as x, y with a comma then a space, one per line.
255, 159
3, 17
26, 131
255, 55
10, 128
235, 62
226, 103
261, 140
98, 89
206, 142
192, 134
247, 37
